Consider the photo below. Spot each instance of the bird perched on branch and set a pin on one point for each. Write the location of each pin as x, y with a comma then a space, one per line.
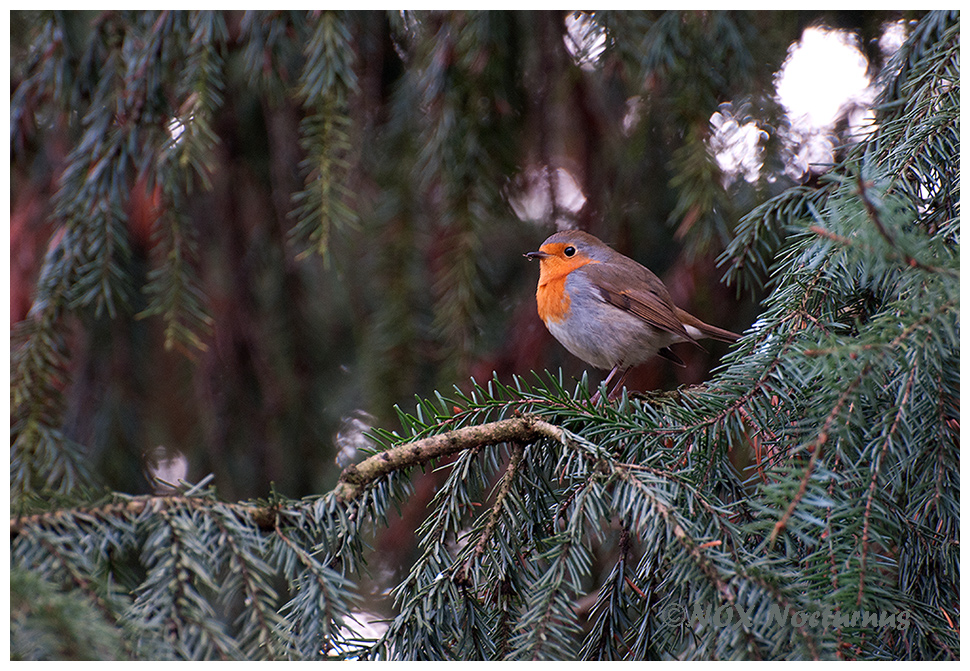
607, 309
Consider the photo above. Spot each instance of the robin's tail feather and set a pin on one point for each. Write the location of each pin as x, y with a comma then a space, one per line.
707, 331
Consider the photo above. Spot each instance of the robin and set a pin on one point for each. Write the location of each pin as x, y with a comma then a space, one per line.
607, 309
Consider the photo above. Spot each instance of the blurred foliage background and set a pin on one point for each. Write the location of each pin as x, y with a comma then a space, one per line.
239, 238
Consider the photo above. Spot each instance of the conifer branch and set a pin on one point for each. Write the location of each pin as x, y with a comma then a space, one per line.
694, 548
496, 513
884, 232
816, 449
906, 258
871, 494
561, 530
78, 579
525, 429
263, 516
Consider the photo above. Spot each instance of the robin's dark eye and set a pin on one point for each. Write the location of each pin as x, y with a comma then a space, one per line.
569, 251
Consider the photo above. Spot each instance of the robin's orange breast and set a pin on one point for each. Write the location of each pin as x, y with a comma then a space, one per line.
552, 298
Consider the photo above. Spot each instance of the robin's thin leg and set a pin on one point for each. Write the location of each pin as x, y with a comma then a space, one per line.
606, 383
616, 387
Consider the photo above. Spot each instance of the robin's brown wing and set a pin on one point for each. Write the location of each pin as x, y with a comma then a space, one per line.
647, 299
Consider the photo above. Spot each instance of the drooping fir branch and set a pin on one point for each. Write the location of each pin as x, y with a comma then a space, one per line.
470, 570
173, 287
86, 267
759, 234
876, 218
119, 94
718, 73
41, 456
269, 50
327, 83
461, 76
185, 154
516, 536
264, 517
816, 449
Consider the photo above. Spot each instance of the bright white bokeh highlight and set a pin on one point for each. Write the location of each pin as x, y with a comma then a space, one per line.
175, 129
823, 81
166, 469
352, 439
893, 36
585, 39
538, 186
824, 72
738, 146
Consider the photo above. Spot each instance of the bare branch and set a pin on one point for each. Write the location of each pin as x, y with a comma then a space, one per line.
525, 429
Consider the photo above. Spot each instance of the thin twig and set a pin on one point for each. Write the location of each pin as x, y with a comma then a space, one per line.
493, 519
877, 222
871, 494
816, 448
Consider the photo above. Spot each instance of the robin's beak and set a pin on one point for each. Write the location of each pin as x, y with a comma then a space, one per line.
537, 255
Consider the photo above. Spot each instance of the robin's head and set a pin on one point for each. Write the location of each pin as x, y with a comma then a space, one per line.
565, 251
